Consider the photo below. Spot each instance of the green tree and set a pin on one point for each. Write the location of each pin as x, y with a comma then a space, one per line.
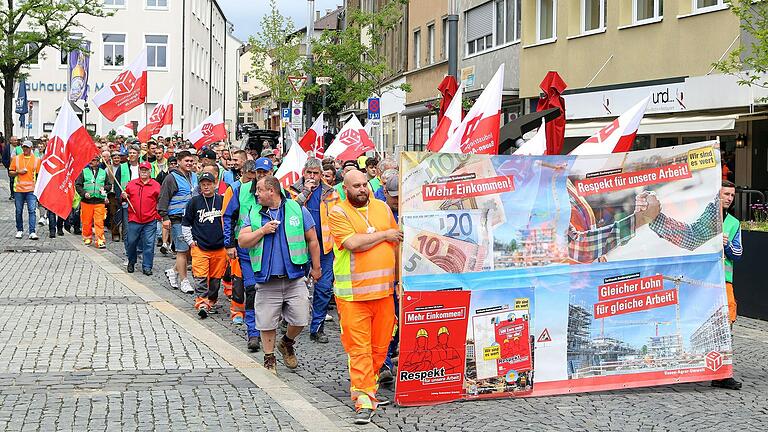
749, 61
354, 57
276, 54
30, 26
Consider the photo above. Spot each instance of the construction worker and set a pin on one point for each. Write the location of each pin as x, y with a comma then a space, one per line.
92, 185
420, 359
243, 198
202, 229
281, 240
366, 238
176, 191
732, 250
23, 171
318, 197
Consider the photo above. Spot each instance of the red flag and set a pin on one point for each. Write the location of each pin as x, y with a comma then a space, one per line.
351, 142
162, 115
127, 91
313, 140
209, 131
448, 124
553, 87
478, 133
68, 151
447, 88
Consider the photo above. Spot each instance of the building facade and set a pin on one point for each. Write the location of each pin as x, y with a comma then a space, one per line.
613, 54
187, 51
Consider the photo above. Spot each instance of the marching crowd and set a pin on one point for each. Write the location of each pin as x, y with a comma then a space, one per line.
283, 255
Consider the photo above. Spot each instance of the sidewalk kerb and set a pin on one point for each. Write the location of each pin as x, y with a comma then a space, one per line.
298, 407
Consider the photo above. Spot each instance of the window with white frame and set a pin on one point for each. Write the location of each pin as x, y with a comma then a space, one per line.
157, 51
430, 44
246, 96
646, 10
706, 4
417, 49
114, 49
245, 78
592, 15
491, 24
157, 4
114, 3
546, 20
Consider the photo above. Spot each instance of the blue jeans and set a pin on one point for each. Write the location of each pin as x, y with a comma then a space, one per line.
393, 344
29, 198
323, 294
143, 234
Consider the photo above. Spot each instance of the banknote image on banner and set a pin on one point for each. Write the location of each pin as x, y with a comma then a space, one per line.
432, 359
621, 252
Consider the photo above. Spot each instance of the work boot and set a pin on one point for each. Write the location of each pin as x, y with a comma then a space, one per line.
253, 344
385, 375
202, 311
382, 400
363, 416
285, 346
60, 232
318, 337
52, 234
131, 268
728, 383
270, 363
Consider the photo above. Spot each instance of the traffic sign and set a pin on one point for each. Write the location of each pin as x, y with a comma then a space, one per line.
297, 114
324, 80
297, 82
285, 113
545, 337
374, 109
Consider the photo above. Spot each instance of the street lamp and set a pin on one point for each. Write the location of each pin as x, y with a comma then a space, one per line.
453, 38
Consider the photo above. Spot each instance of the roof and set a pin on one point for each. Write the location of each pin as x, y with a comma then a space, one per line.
328, 22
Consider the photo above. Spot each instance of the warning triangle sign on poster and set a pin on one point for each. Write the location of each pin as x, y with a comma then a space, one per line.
544, 336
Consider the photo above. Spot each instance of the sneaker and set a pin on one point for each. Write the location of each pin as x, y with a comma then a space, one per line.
19, 234
147, 271
164, 249
238, 320
382, 400
270, 363
52, 234
33, 236
385, 375
172, 278
88, 242
318, 337
253, 344
186, 287
130, 268
101, 245
43, 221
328, 318
202, 311
288, 353
363, 416
728, 383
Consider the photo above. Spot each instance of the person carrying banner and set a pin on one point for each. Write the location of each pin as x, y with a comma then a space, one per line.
93, 186
243, 198
203, 232
127, 171
142, 194
366, 239
281, 240
23, 171
317, 197
176, 191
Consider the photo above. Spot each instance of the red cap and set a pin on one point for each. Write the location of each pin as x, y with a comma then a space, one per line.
145, 165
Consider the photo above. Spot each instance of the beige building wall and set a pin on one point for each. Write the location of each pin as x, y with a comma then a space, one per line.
680, 44
427, 76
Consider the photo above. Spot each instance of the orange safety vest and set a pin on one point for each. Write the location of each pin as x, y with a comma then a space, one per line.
367, 275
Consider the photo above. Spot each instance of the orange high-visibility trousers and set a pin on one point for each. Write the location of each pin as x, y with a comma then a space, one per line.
366, 330
731, 301
92, 219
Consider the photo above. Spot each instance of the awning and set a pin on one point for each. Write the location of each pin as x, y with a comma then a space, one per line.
667, 125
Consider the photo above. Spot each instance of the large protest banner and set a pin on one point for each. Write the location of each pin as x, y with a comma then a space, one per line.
541, 275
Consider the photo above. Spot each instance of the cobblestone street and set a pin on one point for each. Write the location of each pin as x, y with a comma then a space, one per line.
88, 347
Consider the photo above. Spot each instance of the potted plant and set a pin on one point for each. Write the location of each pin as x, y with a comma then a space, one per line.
748, 279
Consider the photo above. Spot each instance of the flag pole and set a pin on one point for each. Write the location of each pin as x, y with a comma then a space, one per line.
116, 183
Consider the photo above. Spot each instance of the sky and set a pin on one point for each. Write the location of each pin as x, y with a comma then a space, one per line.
246, 14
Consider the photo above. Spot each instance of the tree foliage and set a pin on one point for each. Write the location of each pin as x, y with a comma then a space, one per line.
354, 57
749, 61
276, 54
30, 26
